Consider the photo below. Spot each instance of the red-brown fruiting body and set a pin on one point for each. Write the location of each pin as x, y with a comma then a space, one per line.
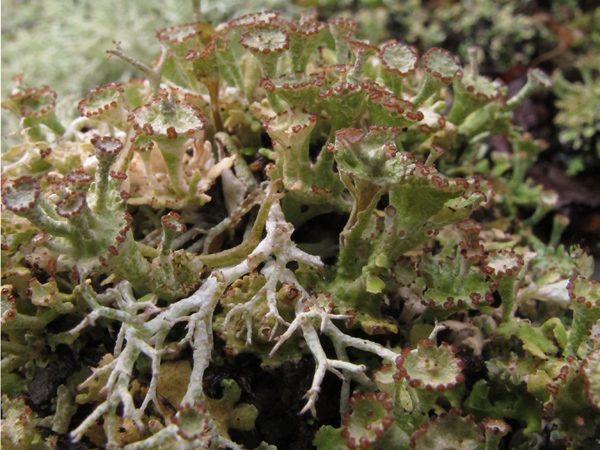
416, 116
255, 19
497, 94
493, 264
79, 178
179, 33
21, 194
349, 136
191, 116
173, 221
148, 130
29, 101
171, 133
453, 66
303, 29
371, 416
344, 23
262, 45
70, 205
435, 421
107, 145
121, 176
408, 55
427, 370
105, 104
468, 227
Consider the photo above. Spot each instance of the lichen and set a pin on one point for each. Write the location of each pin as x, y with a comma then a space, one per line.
278, 190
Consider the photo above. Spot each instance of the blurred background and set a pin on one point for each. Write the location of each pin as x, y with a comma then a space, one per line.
63, 43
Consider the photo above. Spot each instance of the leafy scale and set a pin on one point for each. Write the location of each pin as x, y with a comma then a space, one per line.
399, 58
21, 194
371, 416
166, 119
266, 40
449, 430
441, 64
430, 367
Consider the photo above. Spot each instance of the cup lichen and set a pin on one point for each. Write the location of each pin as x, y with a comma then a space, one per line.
363, 229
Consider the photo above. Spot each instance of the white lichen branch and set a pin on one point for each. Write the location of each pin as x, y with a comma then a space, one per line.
145, 327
